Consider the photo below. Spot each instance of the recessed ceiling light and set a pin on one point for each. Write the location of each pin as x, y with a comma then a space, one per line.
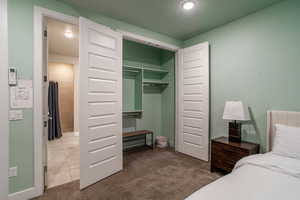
188, 4
69, 34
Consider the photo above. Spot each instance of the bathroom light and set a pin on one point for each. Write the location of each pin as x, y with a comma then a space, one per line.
188, 5
69, 34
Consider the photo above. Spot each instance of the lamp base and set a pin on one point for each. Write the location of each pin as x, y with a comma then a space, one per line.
235, 132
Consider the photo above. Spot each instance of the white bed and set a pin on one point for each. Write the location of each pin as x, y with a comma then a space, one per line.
260, 177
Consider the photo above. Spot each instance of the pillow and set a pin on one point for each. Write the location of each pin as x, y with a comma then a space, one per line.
287, 141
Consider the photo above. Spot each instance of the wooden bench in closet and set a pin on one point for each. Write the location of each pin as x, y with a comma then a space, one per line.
131, 136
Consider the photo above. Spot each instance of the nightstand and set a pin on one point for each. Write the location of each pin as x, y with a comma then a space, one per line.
225, 154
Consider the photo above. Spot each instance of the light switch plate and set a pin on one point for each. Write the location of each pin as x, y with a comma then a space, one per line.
13, 171
12, 76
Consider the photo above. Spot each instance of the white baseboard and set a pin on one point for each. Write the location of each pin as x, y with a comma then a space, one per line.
25, 194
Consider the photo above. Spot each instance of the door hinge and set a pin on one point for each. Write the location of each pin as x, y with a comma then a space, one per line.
45, 33
45, 78
45, 178
45, 124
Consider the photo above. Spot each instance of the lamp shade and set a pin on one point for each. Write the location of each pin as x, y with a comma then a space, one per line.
236, 110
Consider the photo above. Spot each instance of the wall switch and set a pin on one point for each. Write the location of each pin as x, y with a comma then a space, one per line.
13, 171
12, 76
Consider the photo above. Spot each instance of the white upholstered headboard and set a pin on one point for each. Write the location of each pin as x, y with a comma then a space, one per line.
280, 117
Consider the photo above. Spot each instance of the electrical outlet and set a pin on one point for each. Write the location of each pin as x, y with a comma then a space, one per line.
13, 171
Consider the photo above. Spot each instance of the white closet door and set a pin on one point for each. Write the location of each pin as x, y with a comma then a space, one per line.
100, 103
193, 101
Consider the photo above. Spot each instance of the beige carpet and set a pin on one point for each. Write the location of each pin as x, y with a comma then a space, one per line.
155, 175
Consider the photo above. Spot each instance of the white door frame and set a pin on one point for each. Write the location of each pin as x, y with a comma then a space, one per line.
4, 141
39, 14
148, 41
177, 101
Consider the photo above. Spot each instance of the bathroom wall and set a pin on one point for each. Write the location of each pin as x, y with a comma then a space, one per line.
64, 75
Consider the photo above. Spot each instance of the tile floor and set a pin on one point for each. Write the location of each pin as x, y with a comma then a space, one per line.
63, 160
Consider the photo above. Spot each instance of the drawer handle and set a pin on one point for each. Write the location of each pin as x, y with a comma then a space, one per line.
230, 151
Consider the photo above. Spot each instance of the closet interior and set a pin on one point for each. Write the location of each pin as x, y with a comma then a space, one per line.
148, 92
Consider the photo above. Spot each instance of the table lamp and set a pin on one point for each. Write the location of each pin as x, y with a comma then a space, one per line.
235, 111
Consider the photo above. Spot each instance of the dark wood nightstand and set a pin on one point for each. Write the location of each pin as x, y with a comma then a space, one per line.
225, 154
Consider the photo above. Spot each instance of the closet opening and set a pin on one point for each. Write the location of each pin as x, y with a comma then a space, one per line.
148, 95
61, 89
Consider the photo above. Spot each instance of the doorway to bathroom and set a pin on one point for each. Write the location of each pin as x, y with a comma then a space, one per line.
61, 88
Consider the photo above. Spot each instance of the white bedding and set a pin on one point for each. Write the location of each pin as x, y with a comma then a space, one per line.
258, 177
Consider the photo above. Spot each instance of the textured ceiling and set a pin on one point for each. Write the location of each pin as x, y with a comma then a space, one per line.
58, 43
166, 16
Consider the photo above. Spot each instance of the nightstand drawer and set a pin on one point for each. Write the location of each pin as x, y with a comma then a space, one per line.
225, 154
227, 147
228, 152
220, 163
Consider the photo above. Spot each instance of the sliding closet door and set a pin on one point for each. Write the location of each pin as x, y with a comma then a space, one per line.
193, 101
100, 103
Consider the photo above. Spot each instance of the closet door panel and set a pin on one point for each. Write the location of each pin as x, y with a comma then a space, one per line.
193, 122
193, 139
102, 63
101, 121
101, 132
102, 75
195, 89
192, 113
193, 105
97, 50
100, 155
101, 143
193, 80
193, 97
195, 64
100, 102
193, 130
104, 85
192, 55
101, 39
101, 109
102, 97
193, 101
193, 72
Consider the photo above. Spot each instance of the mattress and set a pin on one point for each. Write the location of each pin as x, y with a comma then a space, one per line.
258, 177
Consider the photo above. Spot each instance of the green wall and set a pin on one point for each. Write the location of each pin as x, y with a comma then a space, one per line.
20, 41
140, 53
256, 60
168, 99
20, 38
